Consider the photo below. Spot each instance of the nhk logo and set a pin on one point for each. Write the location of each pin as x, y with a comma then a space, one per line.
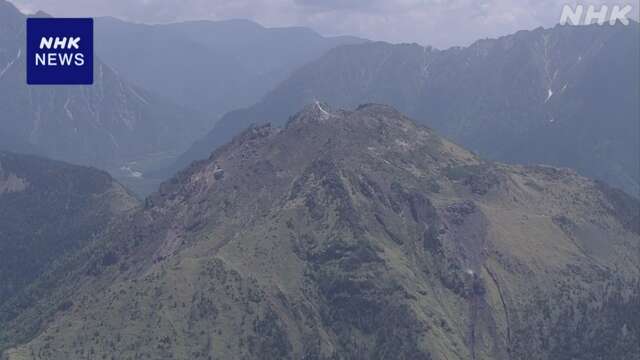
59, 51
583, 15
59, 59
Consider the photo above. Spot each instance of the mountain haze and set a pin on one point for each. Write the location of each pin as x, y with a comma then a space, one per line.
355, 235
209, 66
108, 124
566, 96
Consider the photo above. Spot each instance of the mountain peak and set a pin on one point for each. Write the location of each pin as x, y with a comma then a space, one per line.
41, 14
317, 111
10, 19
322, 111
492, 97
100, 125
357, 234
347, 138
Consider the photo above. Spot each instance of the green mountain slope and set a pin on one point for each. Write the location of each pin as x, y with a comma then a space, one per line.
356, 235
48, 209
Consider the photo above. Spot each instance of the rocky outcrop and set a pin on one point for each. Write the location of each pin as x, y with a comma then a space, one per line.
356, 235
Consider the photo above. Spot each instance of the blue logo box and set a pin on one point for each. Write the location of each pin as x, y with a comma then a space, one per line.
59, 51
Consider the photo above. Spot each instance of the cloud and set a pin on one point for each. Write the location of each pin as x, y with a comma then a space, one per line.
332, 5
441, 23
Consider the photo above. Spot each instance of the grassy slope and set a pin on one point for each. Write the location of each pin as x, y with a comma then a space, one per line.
358, 235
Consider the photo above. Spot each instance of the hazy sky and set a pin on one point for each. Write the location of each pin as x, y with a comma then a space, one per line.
440, 23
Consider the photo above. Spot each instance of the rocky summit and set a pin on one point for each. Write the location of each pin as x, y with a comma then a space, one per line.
565, 96
355, 235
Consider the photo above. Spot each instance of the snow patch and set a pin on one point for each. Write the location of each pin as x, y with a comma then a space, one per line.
131, 173
113, 140
12, 184
136, 94
426, 65
66, 109
470, 272
10, 64
323, 111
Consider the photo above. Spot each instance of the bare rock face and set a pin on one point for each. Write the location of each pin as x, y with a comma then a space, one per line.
566, 96
11, 183
356, 235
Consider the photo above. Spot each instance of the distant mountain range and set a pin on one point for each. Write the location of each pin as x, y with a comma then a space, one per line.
157, 89
327, 234
566, 96
48, 209
349, 235
209, 66
107, 125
